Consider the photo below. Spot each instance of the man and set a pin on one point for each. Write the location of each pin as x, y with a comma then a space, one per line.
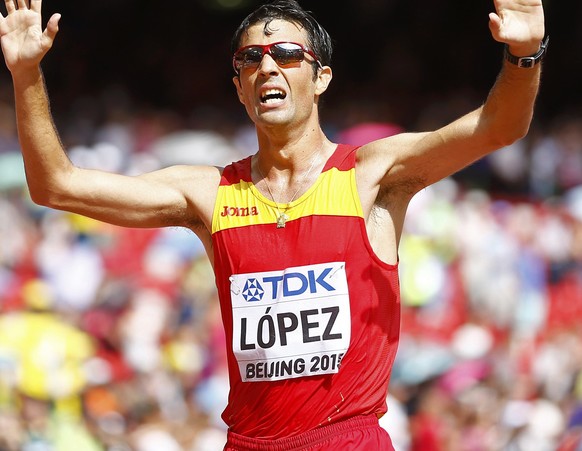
304, 234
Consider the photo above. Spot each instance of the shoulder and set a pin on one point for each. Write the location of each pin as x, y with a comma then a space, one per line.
183, 176
394, 147
194, 189
387, 164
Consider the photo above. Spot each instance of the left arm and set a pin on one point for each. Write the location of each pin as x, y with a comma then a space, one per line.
409, 162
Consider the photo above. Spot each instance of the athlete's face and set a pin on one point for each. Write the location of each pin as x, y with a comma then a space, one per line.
276, 94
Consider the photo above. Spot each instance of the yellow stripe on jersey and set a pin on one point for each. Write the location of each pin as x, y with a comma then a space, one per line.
333, 194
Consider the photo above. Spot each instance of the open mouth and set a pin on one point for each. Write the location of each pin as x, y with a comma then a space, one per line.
272, 95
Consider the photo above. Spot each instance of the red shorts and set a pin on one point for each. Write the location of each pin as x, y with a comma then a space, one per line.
354, 434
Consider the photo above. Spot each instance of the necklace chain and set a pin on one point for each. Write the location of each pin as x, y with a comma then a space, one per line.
282, 218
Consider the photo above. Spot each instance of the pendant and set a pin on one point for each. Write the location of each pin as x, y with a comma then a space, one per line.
281, 220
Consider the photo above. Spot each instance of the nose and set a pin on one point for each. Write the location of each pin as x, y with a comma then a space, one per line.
268, 65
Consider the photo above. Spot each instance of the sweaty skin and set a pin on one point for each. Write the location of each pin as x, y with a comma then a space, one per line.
389, 171
292, 151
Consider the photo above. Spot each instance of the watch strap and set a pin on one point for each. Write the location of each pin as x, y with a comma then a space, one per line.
527, 61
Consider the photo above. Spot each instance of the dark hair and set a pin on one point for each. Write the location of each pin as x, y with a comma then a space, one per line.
318, 40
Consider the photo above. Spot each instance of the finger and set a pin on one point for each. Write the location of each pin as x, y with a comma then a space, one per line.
494, 26
10, 6
494, 23
22, 4
51, 30
35, 5
495, 20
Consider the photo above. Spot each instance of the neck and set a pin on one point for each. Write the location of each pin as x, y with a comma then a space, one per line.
289, 150
285, 169
283, 143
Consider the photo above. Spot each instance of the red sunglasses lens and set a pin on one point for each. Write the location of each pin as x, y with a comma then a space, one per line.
283, 53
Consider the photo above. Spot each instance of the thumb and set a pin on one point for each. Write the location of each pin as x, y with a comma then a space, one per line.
52, 28
495, 23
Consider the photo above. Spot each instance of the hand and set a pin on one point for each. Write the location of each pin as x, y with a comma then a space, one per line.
519, 24
24, 43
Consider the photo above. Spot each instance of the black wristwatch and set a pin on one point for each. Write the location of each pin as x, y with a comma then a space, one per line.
527, 61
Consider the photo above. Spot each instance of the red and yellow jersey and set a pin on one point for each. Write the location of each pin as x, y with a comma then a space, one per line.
312, 315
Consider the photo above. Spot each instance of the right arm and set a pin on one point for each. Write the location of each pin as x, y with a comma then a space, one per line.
160, 198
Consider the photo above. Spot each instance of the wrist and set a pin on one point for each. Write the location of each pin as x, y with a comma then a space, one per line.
523, 50
526, 56
26, 74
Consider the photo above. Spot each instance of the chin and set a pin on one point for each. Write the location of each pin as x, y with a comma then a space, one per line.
273, 118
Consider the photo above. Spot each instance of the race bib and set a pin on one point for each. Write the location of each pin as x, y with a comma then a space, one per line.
290, 323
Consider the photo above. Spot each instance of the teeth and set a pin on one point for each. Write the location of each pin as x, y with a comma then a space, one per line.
272, 95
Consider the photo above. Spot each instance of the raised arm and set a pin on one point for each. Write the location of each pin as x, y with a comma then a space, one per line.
413, 161
157, 199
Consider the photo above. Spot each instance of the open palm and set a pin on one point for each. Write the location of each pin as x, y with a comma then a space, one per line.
24, 42
517, 22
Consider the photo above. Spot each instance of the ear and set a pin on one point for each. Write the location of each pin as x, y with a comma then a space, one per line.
236, 81
323, 80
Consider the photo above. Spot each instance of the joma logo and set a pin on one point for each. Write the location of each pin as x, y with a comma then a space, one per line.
239, 211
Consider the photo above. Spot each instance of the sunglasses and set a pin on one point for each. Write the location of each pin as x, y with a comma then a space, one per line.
282, 52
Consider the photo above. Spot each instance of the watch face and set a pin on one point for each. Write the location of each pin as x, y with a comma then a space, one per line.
526, 62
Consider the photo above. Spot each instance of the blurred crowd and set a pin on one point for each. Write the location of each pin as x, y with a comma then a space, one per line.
111, 340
